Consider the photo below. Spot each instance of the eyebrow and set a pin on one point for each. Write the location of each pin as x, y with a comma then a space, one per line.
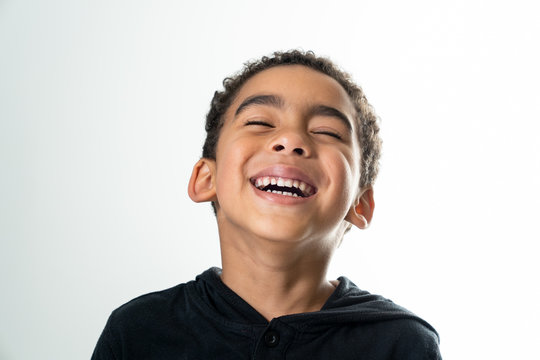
323, 110
270, 100
278, 102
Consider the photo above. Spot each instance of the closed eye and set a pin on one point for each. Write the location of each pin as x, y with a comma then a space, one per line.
258, 122
329, 133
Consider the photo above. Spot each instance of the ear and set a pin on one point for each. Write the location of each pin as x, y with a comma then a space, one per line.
361, 212
201, 186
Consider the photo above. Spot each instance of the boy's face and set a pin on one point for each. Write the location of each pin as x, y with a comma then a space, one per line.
293, 126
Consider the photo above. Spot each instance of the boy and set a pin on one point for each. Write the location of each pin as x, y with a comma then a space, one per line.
289, 161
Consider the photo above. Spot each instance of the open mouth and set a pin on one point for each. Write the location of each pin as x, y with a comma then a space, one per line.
283, 186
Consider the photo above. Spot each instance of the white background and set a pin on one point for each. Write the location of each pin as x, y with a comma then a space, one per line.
102, 105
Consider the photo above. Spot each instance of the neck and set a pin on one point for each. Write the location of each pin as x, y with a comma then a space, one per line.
277, 278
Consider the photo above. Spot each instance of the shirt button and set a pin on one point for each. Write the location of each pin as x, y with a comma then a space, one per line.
271, 338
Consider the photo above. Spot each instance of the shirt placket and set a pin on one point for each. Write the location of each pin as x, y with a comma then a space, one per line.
274, 341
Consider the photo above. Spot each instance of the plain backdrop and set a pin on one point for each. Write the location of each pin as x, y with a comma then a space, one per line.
102, 105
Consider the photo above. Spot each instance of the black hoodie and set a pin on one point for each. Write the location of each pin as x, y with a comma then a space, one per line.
204, 319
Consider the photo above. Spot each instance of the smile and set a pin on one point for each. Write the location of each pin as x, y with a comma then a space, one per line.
283, 186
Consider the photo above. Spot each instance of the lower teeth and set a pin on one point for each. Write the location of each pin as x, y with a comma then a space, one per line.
286, 193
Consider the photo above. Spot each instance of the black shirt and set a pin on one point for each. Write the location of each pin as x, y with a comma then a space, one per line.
204, 319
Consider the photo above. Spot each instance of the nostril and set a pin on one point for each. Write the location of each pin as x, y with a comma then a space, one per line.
299, 151
278, 147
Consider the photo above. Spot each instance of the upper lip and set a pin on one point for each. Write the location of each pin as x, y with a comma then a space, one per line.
285, 171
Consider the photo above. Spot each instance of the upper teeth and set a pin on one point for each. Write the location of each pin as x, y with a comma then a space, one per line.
264, 181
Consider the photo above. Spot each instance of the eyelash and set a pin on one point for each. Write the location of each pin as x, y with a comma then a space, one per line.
258, 122
335, 135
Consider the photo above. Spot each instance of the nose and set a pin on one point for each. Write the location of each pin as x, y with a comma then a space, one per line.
291, 143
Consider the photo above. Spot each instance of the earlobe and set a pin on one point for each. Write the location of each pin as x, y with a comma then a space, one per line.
201, 186
361, 212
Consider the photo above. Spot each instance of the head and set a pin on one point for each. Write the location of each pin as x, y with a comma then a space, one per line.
366, 119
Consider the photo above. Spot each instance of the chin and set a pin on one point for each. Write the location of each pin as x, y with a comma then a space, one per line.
285, 232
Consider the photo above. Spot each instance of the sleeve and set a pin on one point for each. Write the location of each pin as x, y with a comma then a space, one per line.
431, 348
417, 342
104, 346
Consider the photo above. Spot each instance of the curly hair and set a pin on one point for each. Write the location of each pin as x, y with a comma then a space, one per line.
366, 119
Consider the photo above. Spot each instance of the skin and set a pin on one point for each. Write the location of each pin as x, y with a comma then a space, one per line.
276, 249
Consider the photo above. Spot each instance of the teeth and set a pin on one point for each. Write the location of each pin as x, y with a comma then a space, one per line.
286, 193
284, 182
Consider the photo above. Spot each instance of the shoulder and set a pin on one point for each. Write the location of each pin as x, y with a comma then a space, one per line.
159, 308
386, 324
129, 327
413, 338
149, 307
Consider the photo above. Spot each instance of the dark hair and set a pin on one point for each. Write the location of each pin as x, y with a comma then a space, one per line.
367, 124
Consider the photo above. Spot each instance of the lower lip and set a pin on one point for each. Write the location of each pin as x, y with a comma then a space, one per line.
280, 199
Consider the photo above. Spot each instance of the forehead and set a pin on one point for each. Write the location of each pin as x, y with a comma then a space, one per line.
299, 86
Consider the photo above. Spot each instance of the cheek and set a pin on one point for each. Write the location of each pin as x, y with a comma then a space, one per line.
231, 167
345, 178
342, 165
